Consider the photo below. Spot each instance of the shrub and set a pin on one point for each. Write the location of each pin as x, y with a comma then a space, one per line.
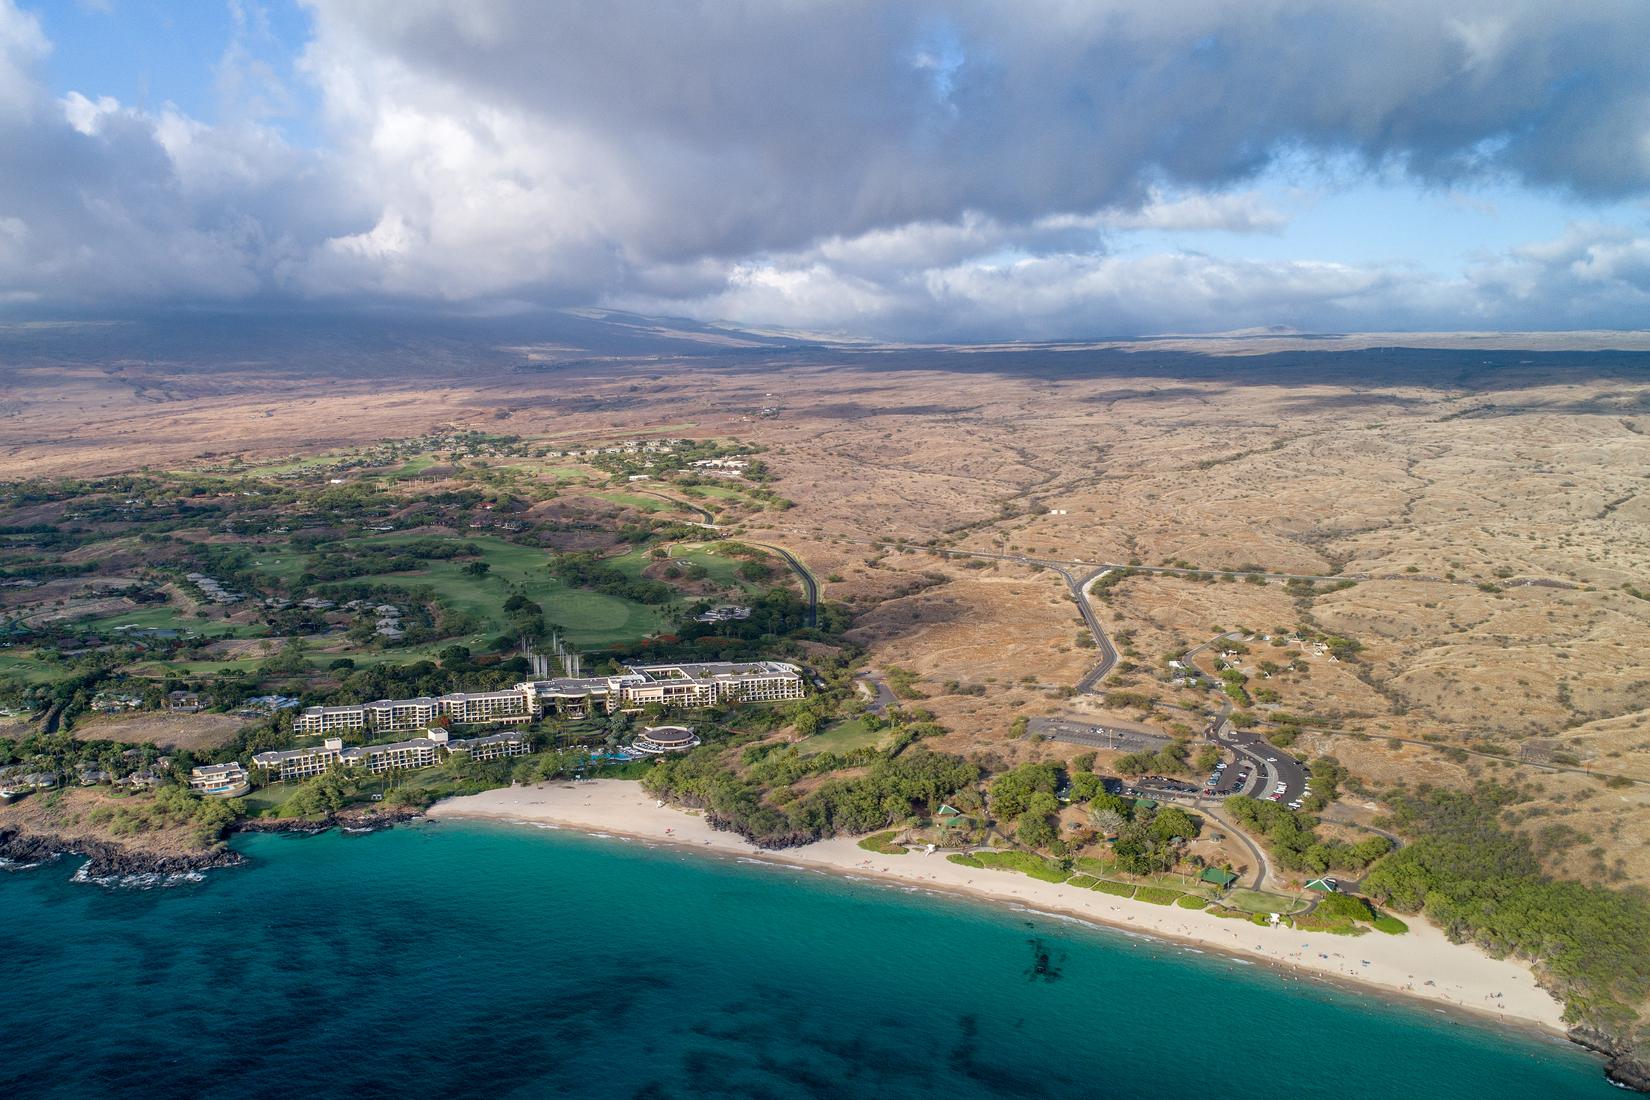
1344, 907
965, 859
883, 844
1082, 882
1390, 924
1121, 889
1158, 895
1191, 901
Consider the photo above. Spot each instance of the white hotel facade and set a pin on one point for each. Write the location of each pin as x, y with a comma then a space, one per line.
418, 752
687, 686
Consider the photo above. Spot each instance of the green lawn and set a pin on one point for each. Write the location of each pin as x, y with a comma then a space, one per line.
633, 500
268, 798
841, 737
22, 667
588, 618
414, 466
292, 466
716, 492
196, 668
719, 568
1261, 901
1027, 863
281, 562
169, 618
553, 472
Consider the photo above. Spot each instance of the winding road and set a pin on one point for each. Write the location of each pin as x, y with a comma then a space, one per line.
707, 520
810, 586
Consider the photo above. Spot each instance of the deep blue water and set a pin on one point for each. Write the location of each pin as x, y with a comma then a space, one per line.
474, 960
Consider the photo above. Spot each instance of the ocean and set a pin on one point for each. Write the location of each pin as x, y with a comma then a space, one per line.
480, 960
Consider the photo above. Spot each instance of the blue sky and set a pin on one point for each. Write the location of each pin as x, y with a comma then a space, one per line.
928, 170
148, 53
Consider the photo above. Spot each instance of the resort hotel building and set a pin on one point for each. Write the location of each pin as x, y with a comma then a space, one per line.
390, 715
684, 686
419, 752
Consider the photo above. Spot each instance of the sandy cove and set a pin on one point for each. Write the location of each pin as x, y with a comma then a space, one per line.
1421, 964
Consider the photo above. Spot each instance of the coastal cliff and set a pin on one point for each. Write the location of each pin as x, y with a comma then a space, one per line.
110, 858
39, 833
1626, 1063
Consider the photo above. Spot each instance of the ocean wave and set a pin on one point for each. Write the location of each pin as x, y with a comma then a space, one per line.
147, 880
17, 865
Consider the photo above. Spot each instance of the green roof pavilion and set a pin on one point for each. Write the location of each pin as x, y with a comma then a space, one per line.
1215, 876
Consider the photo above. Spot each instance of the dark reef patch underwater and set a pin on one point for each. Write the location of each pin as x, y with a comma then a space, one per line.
490, 961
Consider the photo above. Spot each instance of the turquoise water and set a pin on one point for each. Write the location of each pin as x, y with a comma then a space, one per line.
492, 961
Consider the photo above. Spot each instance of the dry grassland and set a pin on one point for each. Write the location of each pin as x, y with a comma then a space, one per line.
1450, 482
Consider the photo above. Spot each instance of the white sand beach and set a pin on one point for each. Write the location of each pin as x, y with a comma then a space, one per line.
1421, 964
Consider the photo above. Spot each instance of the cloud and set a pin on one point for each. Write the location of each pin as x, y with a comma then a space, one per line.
921, 169
103, 203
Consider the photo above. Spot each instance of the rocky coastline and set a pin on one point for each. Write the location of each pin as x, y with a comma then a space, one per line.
352, 818
1623, 1066
109, 859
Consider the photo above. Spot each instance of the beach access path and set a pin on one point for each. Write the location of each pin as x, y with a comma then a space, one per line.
1422, 964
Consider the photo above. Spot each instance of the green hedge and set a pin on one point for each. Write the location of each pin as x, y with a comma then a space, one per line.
1191, 901
1390, 924
1121, 889
1082, 882
965, 859
1027, 863
1158, 895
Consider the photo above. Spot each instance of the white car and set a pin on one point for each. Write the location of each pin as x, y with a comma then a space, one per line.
1280, 788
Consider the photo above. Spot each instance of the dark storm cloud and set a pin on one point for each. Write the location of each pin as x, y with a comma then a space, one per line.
921, 168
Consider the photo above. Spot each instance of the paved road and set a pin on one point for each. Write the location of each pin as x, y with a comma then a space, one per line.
810, 587
1079, 592
882, 696
1077, 731
1263, 866
1177, 571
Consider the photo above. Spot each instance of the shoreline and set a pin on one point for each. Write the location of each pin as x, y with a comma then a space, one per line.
1464, 979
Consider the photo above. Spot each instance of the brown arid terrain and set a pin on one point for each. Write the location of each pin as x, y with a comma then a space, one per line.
1486, 496
168, 731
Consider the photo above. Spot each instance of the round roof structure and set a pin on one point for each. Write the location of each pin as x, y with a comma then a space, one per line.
668, 735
